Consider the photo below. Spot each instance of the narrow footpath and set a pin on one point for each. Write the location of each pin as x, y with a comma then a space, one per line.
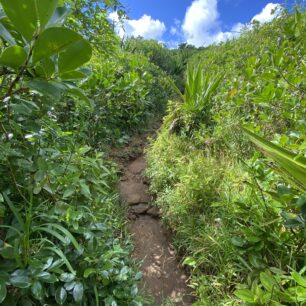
163, 278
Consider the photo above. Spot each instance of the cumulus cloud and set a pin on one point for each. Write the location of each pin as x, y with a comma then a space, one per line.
202, 26
200, 19
146, 26
268, 13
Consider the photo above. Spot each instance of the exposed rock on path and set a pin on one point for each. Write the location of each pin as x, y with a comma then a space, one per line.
163, 278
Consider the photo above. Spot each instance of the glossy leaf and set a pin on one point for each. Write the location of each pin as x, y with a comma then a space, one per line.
77, 92
62, 256
293, 166
20, 281
67, 277
6, 35
245, 295
301, 294
73, 75
78, 292
46, 68
45, 10
3, 291
29, 15
88, 272
51, 89
37, 290
53, 41
58, 17
60, 295
47, 277
268, 281
14, 57
68, 61
299, 279
22, 14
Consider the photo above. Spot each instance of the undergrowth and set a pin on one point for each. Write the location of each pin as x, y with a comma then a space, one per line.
239, 223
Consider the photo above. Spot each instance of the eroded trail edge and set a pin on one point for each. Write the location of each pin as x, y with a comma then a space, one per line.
163, 278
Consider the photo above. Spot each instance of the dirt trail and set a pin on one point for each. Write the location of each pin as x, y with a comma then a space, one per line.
163, 278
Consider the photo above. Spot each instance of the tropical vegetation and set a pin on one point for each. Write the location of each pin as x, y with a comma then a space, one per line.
238, 211
228, 167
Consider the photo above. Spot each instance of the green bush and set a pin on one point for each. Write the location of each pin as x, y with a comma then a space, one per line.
62, 235
239, 224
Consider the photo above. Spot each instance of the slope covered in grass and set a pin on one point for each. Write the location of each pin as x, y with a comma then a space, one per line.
238, 217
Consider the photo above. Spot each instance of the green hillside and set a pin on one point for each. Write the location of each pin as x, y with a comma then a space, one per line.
227, 169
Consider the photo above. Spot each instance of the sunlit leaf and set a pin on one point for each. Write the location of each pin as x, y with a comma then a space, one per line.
6, 35
60, 295
14, 57
78, 292
53, 41
68, 61
294, 166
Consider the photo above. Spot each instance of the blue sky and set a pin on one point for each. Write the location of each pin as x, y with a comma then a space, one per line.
199, 22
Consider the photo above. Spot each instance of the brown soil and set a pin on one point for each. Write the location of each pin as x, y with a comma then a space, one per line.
163, 277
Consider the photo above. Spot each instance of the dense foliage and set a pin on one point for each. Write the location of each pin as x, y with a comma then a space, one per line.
238, 217
62, 234
70, 90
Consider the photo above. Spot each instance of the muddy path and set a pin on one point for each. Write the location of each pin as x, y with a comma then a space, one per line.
163, 277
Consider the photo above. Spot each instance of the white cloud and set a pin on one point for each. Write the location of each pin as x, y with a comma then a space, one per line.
202, 26
268, 13
146, 26
200, 19
173, 30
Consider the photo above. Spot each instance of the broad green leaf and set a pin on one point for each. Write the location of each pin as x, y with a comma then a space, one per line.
293, 220
22, 14
60, 295
28, 15
245, 295
23, 107
293, 166
37, 290
51, 89
138, 276
268, 281
45, 10
238, 241
73, 75
301, 294
6, 250
3, 291
69, 286
58, 17
45, 68
88, 272
20, 281
74, 56
67, 277
299, 279
78, 292
79, 93
190, 261
85, 189
6, 35
47, 277
69, 191
53, 41
14, 57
